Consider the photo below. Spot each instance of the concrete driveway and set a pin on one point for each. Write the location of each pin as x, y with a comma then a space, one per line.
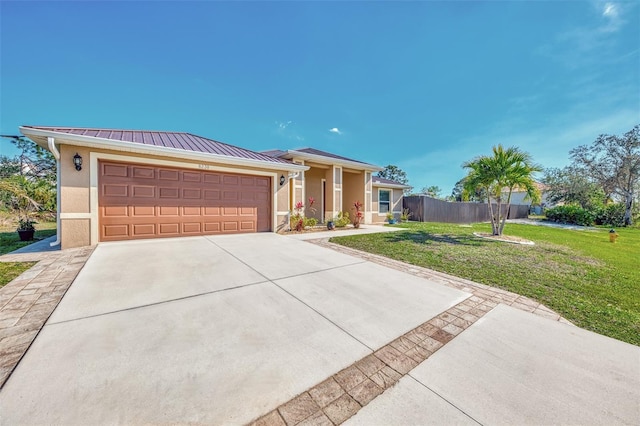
209, 330
223, 330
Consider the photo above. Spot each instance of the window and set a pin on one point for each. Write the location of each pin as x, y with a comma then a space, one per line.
384, 201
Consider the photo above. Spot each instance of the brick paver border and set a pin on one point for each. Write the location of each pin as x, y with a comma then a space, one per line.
342, 395
27, 302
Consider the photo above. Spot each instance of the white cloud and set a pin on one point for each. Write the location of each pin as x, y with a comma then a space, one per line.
610, 10
335, 130
283, 124
593, 43
287, 129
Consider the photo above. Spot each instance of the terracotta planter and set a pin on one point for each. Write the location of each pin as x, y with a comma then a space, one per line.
26, 235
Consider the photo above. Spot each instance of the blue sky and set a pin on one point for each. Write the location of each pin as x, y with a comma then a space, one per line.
421, 85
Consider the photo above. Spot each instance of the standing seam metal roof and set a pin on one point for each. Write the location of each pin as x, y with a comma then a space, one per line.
175, 140
314, 151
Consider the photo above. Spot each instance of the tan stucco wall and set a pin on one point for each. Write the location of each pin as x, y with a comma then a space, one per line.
396, 203
75, 189
313, 188
282, 201
74, 193
75, 232
352, 191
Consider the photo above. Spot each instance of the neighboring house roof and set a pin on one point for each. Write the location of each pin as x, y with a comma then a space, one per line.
316, 155
541, 187
154, 142
378, 181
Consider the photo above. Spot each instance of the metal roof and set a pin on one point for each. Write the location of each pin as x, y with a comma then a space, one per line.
377, 179
175, 140
314, 151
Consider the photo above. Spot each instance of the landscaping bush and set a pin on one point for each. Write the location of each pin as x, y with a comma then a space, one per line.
310, 222
611, 215
570, 214
342, 220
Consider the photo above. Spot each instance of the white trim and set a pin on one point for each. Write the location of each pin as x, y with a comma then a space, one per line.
323, 190
283, 213
102, 143
389, 185
51, 142
93, 193
368, 191
76, 216
274, 202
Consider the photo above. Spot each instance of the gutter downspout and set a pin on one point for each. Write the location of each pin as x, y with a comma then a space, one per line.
56, 154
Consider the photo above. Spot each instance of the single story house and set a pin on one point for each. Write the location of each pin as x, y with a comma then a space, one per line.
131, 184
520, 197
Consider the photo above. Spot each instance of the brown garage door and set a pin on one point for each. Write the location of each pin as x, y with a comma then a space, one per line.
140, 201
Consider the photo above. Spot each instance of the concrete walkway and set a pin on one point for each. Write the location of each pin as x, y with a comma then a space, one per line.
227, 330
27, 301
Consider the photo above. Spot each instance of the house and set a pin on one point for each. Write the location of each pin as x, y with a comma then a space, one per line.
131, 184
387, 196
520, 197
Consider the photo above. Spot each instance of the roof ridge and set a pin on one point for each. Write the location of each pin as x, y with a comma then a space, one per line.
111, 129
185, 141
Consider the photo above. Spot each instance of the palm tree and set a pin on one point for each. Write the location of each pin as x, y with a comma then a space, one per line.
501, 173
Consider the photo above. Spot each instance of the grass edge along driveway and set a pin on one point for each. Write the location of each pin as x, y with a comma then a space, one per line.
581, 275
10, 241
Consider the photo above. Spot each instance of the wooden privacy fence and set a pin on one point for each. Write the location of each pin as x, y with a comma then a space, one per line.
427, 209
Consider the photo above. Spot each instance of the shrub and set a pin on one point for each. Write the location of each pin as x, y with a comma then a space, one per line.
310, 222
342, 220
570, 214
611, 215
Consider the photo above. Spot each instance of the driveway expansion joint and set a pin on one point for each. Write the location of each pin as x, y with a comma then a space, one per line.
175, 299
342, 395
444, 399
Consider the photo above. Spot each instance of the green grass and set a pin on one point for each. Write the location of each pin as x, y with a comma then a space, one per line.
579, 274
10, 241
10, 270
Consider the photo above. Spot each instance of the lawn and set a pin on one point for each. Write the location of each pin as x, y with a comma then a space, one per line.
593, 283
10, 241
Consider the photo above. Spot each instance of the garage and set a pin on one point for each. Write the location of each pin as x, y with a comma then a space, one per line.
142, 201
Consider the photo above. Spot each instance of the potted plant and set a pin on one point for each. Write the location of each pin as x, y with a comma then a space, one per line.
26, 229
406, 214
390, 218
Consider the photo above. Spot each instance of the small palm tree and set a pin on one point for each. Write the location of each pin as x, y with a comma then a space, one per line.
501, 173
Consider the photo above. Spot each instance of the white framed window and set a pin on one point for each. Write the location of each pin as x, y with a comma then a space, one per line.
384, 201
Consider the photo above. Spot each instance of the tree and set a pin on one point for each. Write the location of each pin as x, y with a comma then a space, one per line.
459, 194
613, 162
396, 174
33, 162
28, 181
432, 191
502, 172
9, 166
571, 186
